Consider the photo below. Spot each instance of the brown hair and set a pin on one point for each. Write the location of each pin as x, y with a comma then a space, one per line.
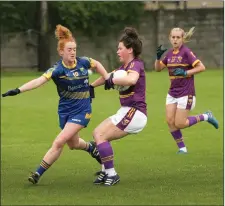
63, 35
130, 39
186, 35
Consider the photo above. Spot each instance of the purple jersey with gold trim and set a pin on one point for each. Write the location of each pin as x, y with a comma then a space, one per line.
135, 95
185, 59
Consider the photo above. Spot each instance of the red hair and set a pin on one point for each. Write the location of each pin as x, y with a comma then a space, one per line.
63, 35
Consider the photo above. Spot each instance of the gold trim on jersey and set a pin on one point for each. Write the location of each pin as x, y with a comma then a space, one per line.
180, 77
132, 71
48, 76
176, 51
75, 95
70, 67
127, 95
92, 63
72, 78
195, 62
177, 65
162, 64
48, 73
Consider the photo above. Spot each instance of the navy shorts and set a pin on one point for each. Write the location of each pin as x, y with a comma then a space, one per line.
81, 119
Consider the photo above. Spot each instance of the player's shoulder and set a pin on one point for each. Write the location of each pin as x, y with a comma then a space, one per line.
169, 51
83, 59
137, 65
56, 66
186, 49
138, 62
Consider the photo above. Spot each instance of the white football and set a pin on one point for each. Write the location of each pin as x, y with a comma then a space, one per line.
118, 74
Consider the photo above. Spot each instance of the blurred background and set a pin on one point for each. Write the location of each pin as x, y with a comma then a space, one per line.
28, 42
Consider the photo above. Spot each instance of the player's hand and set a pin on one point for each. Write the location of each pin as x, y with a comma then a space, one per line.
180, 72
109, 82
159, 52
92, 92
12, 92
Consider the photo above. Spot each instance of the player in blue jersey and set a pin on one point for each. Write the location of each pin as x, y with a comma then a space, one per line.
70, 76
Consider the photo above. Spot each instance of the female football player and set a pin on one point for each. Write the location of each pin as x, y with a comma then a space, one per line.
70, 76
131, 118
182, 65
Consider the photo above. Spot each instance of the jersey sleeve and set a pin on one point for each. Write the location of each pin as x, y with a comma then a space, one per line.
88, 62
51, 72
164, 61
136, 66
192, 59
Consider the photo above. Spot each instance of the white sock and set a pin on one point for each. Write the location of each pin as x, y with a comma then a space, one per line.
205, 117
103, 168
184, 149
110, 172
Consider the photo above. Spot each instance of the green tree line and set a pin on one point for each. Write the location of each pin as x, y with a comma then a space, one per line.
91, 18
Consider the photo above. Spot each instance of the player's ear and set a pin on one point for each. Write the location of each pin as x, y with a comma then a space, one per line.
130, 50
61, 52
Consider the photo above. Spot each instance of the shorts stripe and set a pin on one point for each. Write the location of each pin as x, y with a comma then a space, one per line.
189, 102
126, 119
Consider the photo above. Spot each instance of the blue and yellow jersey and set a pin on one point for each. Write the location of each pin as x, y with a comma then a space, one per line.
72, 85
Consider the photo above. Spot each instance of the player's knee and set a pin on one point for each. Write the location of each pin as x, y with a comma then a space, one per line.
74, 146
170, 121
98, 136
57, 144
180, 125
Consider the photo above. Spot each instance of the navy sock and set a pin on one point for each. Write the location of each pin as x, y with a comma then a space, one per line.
42, 168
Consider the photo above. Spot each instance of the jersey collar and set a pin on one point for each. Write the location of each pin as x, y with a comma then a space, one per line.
178, 50
70, 67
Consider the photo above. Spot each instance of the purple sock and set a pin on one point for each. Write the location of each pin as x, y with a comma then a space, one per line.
177, 135
195, 119
106, 154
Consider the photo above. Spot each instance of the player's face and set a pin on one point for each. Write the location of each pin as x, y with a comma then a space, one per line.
123, 53
176, 39
69, 52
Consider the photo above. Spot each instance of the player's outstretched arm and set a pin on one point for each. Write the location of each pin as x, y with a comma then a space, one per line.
35, 83
98, 82
100, 69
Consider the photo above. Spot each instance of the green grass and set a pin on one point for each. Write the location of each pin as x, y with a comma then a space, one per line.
151, 172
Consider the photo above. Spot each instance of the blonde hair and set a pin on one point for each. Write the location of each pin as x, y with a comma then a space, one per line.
185, 35
63, 35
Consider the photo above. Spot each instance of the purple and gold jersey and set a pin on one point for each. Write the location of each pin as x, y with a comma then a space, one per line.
185, 59
72, 85
135, 95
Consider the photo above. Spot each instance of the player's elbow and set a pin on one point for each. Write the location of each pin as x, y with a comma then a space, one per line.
202, 68
157, 68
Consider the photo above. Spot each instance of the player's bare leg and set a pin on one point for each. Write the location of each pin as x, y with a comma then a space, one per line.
54, 152
79, 144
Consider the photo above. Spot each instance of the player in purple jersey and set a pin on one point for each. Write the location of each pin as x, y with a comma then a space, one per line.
70, 75
131, 118
182, 65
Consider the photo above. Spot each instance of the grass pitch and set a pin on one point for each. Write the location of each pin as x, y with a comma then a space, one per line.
151, 172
